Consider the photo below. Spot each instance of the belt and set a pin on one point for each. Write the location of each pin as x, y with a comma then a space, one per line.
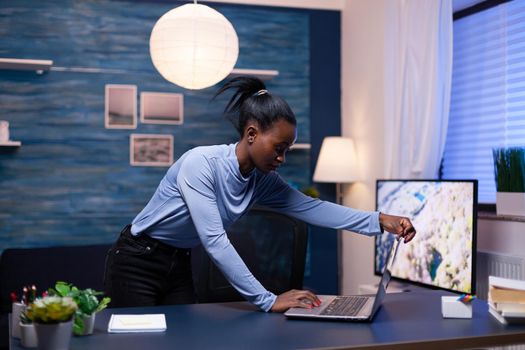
155, 243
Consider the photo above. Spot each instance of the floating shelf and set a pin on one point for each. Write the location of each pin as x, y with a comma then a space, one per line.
11, 144
263, 74
9, 147
39, 66
301, 146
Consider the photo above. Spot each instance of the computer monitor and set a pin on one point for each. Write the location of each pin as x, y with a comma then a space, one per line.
444, 212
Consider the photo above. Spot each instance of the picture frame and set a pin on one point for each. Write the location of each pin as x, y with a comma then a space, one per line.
161, 108
120, 111
151, 150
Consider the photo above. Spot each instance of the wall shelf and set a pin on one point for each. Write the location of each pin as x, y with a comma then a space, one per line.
11, 144
9, 147
305, 146
263, 74
39, 66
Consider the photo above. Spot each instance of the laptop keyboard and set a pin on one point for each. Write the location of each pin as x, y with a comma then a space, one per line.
345, 305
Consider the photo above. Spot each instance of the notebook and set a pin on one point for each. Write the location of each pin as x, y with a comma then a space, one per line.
137, 323
350, 307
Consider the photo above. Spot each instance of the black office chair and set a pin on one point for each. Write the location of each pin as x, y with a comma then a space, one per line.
272, 245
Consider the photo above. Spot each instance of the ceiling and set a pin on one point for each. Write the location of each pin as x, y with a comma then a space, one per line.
457, 5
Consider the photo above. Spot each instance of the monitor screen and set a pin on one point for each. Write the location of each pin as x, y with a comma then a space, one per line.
444, 213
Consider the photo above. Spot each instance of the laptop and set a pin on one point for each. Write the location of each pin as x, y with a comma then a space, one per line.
350, 307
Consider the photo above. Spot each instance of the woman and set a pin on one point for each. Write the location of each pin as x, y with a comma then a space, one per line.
207, 190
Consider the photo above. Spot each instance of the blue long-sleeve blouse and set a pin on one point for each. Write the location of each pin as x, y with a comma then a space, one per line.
204, 192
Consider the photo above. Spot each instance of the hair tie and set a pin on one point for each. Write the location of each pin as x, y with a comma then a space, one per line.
260, 92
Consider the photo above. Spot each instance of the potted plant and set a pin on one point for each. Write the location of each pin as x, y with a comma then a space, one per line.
311, 191
509, 171
52, 317
88, 305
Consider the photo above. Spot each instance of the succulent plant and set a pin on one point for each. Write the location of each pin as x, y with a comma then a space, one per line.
51, 309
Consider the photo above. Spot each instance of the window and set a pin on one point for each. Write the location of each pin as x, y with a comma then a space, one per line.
487, 107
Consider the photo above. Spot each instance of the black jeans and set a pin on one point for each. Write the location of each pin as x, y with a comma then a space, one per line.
142, 271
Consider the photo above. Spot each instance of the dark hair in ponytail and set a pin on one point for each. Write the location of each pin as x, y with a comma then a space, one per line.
251, 101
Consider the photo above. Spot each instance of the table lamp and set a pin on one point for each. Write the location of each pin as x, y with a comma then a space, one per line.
337, 163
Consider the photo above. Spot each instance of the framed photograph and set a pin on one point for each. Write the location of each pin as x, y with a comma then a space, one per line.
151, 150
120, 107
161, 108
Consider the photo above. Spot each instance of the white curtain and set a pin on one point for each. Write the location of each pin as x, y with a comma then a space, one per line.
418, 74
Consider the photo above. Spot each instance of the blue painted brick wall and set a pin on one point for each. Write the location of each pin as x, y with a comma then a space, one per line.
71, 182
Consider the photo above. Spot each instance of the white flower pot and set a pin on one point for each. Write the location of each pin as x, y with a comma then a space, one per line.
89, 324
510, 203
28, 335
54, 336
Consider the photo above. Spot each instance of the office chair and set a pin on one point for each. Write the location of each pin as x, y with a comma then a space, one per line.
272, 245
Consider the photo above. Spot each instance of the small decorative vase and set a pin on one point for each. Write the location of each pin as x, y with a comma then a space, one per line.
54, 336
510, 203
28, 335
4, 131
15, 319
89, 324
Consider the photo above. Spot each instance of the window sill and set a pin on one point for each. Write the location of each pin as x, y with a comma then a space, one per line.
490, 215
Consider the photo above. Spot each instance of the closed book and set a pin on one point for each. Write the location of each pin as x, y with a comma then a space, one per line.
511, 307
512, 314
137, 323
507, 283
497, 315
498, 295
507, 318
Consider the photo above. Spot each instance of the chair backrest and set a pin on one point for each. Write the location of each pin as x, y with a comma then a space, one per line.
272, 245
81, 265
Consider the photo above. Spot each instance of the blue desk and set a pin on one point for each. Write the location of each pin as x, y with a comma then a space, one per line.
406, 321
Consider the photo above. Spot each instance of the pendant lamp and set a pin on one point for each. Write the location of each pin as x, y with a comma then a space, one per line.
193, 46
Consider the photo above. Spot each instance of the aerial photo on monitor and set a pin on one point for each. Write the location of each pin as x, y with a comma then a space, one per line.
442, 213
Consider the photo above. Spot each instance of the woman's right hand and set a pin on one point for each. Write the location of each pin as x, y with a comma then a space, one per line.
295, 298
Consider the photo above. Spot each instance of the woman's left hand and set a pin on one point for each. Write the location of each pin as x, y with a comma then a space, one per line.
295, 298
398, 225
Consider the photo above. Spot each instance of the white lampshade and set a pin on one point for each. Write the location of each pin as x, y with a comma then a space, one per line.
337, 161
193, 46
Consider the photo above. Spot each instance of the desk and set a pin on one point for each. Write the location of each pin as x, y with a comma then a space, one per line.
409, 320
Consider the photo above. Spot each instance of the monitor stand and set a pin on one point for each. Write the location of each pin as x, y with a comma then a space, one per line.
393, 287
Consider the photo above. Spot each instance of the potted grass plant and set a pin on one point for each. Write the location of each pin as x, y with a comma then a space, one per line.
509, 172
52, 317
88, 303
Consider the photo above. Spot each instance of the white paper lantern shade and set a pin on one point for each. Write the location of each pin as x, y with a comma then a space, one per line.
194, 46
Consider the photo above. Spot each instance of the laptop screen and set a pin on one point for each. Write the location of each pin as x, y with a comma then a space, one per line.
387, 274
